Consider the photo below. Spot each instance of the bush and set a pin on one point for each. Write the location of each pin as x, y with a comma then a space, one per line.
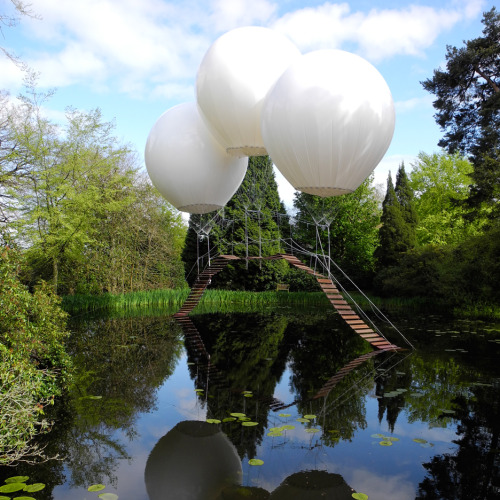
34, 365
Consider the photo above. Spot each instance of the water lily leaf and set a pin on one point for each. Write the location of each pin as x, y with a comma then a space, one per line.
213, 420
271, 429
246, 392
377, 436
248, 395
426, 445
288, 427
419, 440
448, 412
199, 390
96, 487
360, 496
385, 443
11, 487
391, 438
244, 419
229, 419
17, 479
275, 433
24, 498
312, 431
304, 420
255, 461
4, 498
249, 424
310, 417
31, 488
108, 496
94, 397
284, 415
237, 415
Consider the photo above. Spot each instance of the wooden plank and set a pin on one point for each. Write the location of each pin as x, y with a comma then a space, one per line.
364, 330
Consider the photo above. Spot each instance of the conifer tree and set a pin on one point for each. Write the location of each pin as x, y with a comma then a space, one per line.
405, 197
249, 225
392, 231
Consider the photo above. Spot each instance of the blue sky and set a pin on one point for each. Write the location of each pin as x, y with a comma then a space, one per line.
134, 59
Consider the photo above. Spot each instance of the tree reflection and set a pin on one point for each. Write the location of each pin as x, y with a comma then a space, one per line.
473, 472
120, 363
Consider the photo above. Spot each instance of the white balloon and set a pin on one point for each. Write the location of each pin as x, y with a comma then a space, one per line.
234, 76
328, 122
187, 165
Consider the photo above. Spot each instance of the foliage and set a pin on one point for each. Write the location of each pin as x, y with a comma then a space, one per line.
405, 197
34, 366
465, 273
439, 180
392, 230
468, 107
342, 226
249, 225
73, 197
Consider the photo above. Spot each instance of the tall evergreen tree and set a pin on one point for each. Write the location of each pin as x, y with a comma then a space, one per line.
392, 231
404, 194
249, 226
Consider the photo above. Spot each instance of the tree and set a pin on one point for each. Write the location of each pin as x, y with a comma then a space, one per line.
343, 226
468, 107
404, 194
393, 234
248, 226
438, 181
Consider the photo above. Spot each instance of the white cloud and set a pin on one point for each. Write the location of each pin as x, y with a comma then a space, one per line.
378, 34
414, 103
379, 487
229, 14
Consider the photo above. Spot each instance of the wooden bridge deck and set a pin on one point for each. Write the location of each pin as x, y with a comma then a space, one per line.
331, 291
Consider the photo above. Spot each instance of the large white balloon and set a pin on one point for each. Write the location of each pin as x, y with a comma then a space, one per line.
234, 76
187, 165
328, 122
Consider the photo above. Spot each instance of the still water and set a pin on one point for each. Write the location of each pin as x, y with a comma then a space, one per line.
421, 423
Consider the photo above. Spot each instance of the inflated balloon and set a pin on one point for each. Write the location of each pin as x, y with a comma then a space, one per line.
234, 76
187, 165
194, 460
328, 122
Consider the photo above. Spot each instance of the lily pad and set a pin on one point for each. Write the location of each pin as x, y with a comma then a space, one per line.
108, 496
31, 488
249, 424
377, 436
213, 420
385, 443
419, 440
284, 415
310, 417
275, 433
256, 461
391, 438
312, 431
244, 419
288, 427
238, 415
4, 498
96, 487
17, 479
360, 496
248, 395
303, 420
11, 487
24, 498
229, 419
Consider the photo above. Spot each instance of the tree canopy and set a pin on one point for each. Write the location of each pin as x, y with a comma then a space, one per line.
468, 106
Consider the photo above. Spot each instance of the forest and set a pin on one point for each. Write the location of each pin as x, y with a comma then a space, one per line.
79, 217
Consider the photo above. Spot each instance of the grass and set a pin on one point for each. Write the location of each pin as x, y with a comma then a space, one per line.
173, 299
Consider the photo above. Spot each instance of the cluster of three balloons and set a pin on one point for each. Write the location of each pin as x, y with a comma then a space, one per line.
196, 156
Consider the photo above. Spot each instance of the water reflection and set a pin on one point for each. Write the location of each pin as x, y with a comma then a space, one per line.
193, 461
441, 403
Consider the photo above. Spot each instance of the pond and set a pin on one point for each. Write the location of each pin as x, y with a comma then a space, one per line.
421, 423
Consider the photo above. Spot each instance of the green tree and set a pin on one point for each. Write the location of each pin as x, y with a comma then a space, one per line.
468, 107
249, 226
404, 194
438, 181
392, 232
343, 226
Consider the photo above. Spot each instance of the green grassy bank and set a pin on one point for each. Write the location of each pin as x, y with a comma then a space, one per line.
237, 301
